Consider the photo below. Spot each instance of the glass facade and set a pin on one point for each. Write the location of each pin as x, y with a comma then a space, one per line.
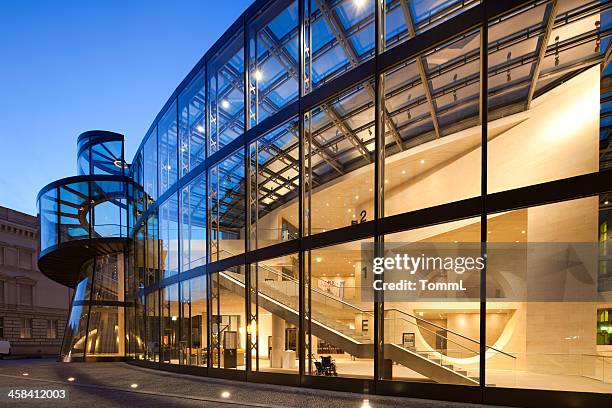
315, 129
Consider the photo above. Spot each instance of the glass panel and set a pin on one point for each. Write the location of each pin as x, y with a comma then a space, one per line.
47, 208
152, 251
151, 324
404, 19
192, 105
544, 117
150, 167
194, 333
193, 224
83, 159
274, 186
226, 200
339, 36
228, 334
106, 332
273, 324
432, 319
423, 169
340, 325
339, 161
74, 211
167, 137
453, 73
139, 257
512, 49
168, 237
226, 95
109, 278
170, 324
76, 331
273, 60
139, 328
107, 157
557, 258
109, 209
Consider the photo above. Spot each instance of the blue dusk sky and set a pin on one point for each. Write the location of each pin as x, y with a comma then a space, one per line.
71, 66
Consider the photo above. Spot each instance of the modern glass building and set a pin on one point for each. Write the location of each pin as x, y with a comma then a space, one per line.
233, 244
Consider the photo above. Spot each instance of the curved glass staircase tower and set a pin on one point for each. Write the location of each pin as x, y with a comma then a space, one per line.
83, 234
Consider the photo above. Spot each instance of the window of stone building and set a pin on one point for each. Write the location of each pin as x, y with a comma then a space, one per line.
52, 329
2, 298
26, 294
1, 327
25, 259
26, 328
10, 256
1, 255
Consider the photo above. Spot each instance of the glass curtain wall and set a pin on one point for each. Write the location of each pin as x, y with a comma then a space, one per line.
543, 124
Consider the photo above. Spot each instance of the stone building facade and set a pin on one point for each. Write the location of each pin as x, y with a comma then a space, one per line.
33, 308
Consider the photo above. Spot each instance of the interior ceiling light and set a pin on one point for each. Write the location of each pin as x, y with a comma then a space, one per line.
200, 128
257, 75
422, 161
359, 3
225, 104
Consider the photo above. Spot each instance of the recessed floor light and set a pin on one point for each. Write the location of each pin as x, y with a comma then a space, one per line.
71, 379
134, 385
25, 374
225, 394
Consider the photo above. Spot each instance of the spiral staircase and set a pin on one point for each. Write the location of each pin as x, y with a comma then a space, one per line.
83, 234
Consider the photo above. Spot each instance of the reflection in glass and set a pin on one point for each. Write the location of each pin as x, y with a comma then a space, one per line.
106, 331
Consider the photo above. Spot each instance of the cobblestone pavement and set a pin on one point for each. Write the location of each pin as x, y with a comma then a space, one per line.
102, 385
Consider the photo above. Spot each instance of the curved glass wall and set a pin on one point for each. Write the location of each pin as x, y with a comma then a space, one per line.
96, 325
303, 141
